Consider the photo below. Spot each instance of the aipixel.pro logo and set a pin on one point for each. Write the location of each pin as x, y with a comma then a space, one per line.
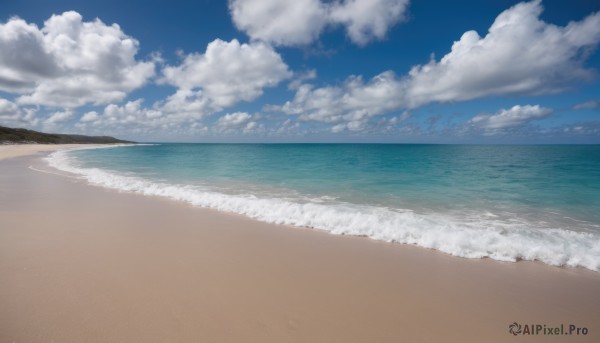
546, 330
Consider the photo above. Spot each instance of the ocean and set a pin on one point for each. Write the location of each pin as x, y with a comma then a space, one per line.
505, 202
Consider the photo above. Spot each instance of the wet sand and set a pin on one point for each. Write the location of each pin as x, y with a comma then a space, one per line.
84, 264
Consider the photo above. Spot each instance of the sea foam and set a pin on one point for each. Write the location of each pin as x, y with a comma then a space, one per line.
464, 235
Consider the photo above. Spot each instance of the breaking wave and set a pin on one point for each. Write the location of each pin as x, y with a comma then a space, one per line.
470, 235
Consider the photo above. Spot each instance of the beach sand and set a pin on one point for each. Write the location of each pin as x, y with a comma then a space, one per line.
16, 150
84, 264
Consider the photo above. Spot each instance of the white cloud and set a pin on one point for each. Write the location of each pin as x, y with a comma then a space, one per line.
8, 108
57, 121
23, 56
354, 101
395, 120
134, 117
288, 127
178, 112
354, 125
228, 72
513, 117
251, 126
591, 128
280, 22
58, 117
366, 20
300, 78
234, 119
239, 122
68, 62
301, 22
12, 115
89, 117
521, 55
131, 115
588, 105
186, 104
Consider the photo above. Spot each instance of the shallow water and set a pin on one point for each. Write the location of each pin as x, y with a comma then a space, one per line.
506, 202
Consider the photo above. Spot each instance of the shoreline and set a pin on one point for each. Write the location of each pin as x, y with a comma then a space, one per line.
501, 237
18, 150
87, 263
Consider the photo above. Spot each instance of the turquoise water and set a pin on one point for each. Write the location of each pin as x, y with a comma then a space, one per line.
505, 202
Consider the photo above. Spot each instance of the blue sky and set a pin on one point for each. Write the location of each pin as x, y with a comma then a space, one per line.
304, 71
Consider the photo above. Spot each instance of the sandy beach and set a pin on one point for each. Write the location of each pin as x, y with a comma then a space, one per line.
16, 150
84, 264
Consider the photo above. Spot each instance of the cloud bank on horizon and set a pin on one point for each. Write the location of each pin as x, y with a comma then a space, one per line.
87, 76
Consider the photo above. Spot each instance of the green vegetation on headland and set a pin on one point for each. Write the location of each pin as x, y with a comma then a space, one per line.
22, 136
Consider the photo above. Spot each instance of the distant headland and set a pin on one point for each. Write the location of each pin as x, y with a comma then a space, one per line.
24, 136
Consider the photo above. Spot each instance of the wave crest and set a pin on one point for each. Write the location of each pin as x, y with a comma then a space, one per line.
466, 236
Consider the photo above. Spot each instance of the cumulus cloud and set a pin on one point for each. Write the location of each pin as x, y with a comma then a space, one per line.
135, 118
23, 56
280, 22
228, 72
8, 108
130, 115
301, 22
57, 119
398, 119
520, 55
512, 117
12, 115
355, 101
234, 119
366, 20
89, 117
69, 62
300, 78
238, 122
186, 104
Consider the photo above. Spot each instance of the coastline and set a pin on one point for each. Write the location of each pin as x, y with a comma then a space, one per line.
17, 150
83, 263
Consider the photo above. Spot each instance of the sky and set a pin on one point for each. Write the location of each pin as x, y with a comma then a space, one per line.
385, 71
